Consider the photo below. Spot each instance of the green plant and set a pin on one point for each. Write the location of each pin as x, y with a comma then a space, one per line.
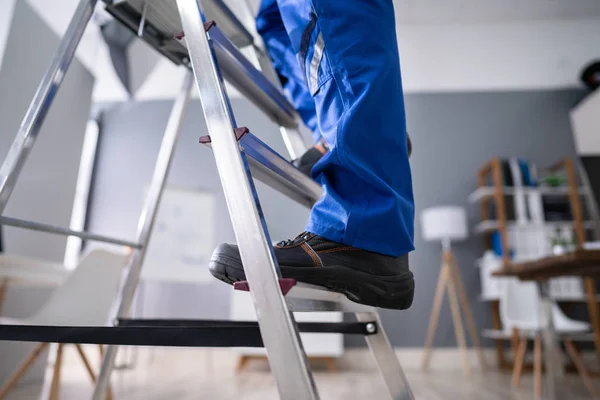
554, 180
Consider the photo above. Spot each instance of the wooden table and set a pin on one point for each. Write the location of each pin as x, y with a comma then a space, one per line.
582, 263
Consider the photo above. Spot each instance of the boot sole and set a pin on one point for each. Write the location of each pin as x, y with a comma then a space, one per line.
392, 292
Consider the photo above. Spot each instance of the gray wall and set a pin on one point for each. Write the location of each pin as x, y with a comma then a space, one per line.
46, 188
453, 134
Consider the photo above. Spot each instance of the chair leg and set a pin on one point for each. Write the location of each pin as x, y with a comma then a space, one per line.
581, 369
514, 342
22, 369
86, 363
519, 359
242, 362
3, 289
55, 389
537, 368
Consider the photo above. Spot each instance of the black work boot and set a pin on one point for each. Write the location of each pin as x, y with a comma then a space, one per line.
310, 158
364, 277
314, 154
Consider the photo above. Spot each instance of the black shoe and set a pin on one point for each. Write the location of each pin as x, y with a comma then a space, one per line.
364, 277
310, 158
314, 154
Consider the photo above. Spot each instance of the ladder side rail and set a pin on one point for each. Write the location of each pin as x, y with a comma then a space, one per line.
19, 223
147, 218
42, 100
386, 359
278, 328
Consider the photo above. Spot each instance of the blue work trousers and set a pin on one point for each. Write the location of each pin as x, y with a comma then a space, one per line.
340, 66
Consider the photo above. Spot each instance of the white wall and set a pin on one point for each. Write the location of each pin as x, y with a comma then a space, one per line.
528, 55
516, 56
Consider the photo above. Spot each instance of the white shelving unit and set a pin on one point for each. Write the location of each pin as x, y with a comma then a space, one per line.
489, 191
492, 225
527, 235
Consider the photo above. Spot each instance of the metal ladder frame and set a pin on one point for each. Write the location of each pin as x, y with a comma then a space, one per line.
277, 325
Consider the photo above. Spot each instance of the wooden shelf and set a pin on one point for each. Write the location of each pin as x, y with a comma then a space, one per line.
581, 299
493, 225
488, 191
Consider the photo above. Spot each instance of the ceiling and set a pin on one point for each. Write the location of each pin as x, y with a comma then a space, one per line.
488, 11
420, 11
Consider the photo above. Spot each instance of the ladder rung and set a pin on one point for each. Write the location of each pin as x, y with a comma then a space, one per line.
163, 23
250, 81
170, 333
272, 169
304, 297
20, 223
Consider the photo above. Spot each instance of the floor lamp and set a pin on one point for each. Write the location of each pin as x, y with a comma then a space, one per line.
447, 224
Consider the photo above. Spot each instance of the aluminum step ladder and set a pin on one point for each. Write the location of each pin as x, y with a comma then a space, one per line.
207, 38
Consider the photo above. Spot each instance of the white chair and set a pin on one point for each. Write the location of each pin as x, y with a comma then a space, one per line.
84, 299
519, 314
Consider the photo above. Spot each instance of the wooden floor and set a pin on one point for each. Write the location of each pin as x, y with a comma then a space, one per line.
182, 374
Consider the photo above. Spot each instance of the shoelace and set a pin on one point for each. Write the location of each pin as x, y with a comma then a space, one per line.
290, 242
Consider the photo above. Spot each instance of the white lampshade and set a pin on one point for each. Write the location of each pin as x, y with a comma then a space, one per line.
444, 223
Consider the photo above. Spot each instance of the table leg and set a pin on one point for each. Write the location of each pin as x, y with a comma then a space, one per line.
3, 290
552, 360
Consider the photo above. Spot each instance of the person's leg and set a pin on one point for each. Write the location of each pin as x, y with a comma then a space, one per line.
349, 53
279, 47
361, 230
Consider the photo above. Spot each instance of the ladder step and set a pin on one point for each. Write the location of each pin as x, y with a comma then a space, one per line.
170, 333
162, 23
272, 169
20, 223
304, 297
163, 29
250, 81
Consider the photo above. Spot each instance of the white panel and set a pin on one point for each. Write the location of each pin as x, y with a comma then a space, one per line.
182, 239
6, 16
585, 120
315, 344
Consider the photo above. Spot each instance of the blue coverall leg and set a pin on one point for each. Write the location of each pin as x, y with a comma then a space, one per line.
270, 26
347, 53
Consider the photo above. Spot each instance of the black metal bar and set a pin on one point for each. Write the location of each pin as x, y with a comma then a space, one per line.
170, 333
134, 335
349, 328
